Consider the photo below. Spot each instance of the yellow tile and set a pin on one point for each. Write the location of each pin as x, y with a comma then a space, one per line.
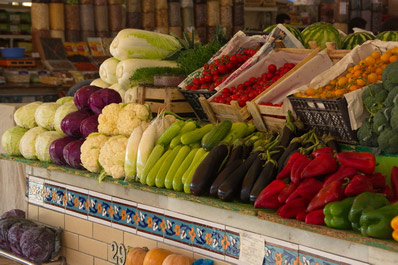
33, 212
78, 226
176, 250
216, 261
107, 234
98, 261
131, 240
74, 257
70, 240
52, 218
93, 247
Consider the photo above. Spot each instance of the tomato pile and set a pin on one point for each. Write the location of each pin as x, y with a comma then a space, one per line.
253, 87
216, 72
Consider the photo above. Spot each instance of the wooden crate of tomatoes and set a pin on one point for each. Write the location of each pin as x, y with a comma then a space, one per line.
269, 111
230, 102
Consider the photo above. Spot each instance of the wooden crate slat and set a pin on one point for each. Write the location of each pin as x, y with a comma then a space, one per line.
154, 93
208, 110
272, 110
274, 124
181, 107
257, 118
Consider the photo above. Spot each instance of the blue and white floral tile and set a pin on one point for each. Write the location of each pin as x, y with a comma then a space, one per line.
100, 208
310, 256
124, 213
76, 202
209, 239
36, 189
178, 228
54, 196
27, 186
233, 250
150, 222
279, 252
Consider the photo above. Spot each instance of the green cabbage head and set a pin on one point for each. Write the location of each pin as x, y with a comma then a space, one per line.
25, 115
27, 143
63, 100
43, 142
45, 115
10, 140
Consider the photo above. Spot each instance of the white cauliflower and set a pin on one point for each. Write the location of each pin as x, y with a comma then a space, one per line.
107, 120
131, 116
90, 151
112, 156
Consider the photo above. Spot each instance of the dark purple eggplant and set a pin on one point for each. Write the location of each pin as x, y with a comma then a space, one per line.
235, 154
208, 169
247, 149
227, 171
250, 178
231, 185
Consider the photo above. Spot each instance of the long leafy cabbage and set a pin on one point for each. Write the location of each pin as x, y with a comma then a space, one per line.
142, 44
107, 70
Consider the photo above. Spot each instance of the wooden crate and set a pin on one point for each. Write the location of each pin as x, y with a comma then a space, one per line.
163, 98
262, 115
219, 112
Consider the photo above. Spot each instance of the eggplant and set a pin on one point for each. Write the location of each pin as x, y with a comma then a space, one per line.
250, 178
292, 147
230, 186
235, 154
208, 169
226, 172
266, 176
247, 150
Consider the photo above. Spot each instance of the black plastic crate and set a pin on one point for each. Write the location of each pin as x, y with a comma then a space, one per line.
325, 116
192, 96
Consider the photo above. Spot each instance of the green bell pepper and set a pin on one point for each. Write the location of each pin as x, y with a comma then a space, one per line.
365, 201
376, 223
336, 213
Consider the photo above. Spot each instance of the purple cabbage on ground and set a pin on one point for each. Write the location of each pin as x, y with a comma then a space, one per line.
38, 244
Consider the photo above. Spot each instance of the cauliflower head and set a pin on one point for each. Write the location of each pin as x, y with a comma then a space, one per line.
107, 120
90, 151
112, 156
131, 116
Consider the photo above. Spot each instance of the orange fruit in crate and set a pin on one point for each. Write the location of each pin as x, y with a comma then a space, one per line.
370, 60
342, 80
372, 78
385, 57
360, 82
393, 58
376, 54
310, 91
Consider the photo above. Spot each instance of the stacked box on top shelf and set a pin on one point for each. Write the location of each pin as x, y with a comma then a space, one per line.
268, 110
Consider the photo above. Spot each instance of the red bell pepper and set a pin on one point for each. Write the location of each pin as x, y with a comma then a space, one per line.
297, 168
323, 150
364, 162
268, 197
301, 216
285, 173
394, 182
323, 164
307, 189
358, 185
285, 193
330, 193
342, 173
292, 208
378, 180
316, 217
388, 192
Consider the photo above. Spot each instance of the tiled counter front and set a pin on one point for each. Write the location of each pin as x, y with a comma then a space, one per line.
94, 215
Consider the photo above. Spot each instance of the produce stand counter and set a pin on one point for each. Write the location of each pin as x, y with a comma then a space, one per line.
199, 225
13, 93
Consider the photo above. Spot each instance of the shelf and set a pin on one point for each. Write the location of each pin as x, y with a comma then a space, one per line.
61, 260
24, 37
261, 9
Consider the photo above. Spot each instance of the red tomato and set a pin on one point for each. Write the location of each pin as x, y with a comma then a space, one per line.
196, 81
234, 59
222, 69
242, 103
215, 78
272, 68
270, 75
226, 90
208, 78
235, 97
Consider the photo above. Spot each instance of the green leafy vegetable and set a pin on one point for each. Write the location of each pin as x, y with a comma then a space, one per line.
146, 75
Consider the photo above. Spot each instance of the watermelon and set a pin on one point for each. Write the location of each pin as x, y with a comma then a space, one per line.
388, 36
354, 39
296, 33
321, 32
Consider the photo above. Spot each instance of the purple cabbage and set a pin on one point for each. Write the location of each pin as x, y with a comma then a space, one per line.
56, 150
70, 125
89, 125
38, 244
15, 234
5, 225
72, 154
14, 212
101, 98
82, 96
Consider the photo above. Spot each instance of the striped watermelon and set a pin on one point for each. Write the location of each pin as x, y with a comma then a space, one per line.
388, 36
296, 33
354, 39
321, 32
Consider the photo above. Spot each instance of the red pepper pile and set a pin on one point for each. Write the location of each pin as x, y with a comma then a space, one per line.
216, 72
253, 87
325, 177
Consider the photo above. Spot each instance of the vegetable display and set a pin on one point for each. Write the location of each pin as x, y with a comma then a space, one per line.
45, 114
321, 33
11, 138
25, 115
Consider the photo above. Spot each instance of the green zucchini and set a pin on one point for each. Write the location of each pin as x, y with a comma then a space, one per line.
216, 135
196, 135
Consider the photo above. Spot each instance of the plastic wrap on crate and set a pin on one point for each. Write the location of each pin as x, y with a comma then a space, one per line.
356, 112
